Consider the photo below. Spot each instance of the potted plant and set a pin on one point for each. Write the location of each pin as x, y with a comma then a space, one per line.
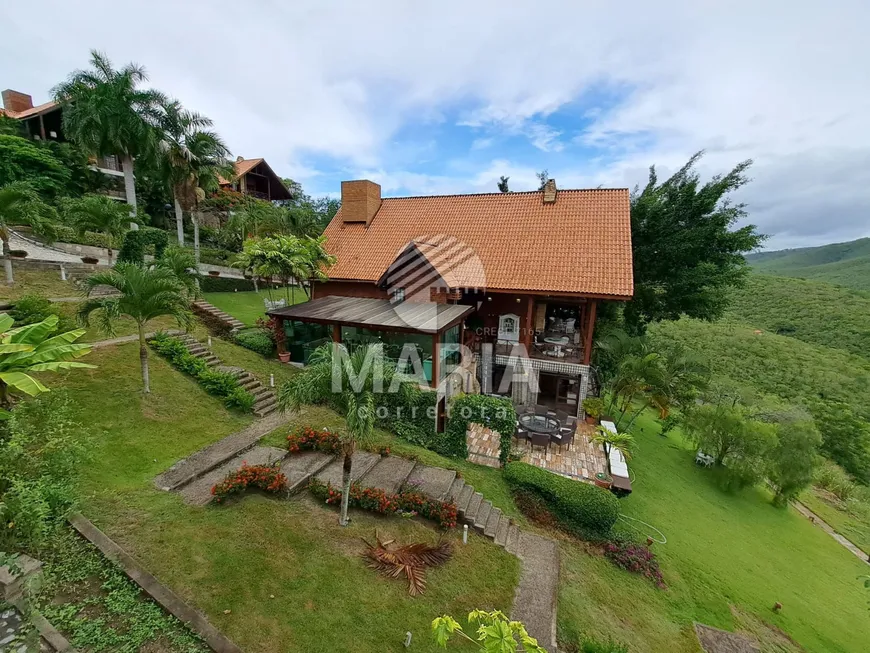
214, 273
280, 339
18, 253
90, 260
593, 407
603, 480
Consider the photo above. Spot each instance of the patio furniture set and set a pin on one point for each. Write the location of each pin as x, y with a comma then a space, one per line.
542, 427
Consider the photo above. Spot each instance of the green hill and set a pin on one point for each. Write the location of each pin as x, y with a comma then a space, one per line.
811, 311
845, 264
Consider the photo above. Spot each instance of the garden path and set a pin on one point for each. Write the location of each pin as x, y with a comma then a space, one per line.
821, 523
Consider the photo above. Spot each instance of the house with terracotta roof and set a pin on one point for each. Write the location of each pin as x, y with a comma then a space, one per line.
254, 177
515, 277
44, 122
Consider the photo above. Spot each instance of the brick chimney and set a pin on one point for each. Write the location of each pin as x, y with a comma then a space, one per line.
360, 200
550, 192
15, 101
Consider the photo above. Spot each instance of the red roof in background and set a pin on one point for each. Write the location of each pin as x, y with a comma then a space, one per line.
581, 243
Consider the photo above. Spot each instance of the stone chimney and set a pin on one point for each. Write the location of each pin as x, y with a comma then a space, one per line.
360, 200
550, 192
15, 101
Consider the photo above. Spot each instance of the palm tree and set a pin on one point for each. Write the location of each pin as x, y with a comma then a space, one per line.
102, 214
31, 348
194, 159
21, 205
182, 263
353, 395
145, 293
107, 113
622, 442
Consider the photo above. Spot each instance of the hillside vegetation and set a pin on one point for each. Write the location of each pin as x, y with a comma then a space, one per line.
814, 312
846, 264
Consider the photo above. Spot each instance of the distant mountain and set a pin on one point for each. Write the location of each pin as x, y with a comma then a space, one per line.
844, 264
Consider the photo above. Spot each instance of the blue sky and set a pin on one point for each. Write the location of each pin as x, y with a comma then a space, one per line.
446, 97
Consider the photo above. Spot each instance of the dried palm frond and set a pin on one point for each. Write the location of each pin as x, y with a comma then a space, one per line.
410, 560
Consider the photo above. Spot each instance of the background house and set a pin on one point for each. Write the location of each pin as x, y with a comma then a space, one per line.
255, 178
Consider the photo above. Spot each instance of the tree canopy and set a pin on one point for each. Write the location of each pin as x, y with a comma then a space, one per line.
687, 253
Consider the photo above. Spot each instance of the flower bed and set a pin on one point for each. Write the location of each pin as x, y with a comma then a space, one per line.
263, 477
307, 438
635, 558
408, 502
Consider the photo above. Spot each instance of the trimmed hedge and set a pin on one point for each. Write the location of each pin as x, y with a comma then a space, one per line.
225, 284
256, 340
496, 413
580, 507
137, 241
410, 414
215, 256
66, 234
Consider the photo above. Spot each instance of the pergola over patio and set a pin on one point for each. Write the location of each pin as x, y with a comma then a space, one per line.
353, 320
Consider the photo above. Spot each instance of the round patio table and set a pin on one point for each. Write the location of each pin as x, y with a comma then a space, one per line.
540, 424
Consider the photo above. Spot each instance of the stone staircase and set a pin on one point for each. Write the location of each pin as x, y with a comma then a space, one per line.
201, 306
265, 401
536, 597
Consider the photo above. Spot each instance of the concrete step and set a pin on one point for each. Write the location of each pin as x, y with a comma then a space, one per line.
299, 468
434, 482
473, 507
513, 537
388, 474
501, 532
492, 523
463, 500
198, 493
361, 462
482, 515
456, 489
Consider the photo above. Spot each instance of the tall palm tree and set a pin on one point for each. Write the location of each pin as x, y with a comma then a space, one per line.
354, 395
102, 214
32, 348
107, 113
194, 159
21, 205
145, 294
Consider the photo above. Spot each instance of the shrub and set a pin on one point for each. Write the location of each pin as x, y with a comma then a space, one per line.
34, 308
136, 242
579, 507
240, 399
42, 450
496, 413
307, 438
220, 384
263, 477
444, 513
256, 340
636, 558
410, 414
212, 256
225, 284
831, 477
593, 406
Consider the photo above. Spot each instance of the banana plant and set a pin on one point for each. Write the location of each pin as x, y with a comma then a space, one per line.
32, 348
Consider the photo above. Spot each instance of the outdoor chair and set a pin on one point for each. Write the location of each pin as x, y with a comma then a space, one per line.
541, 411
562, 416
540, 440
521, 433
566, 438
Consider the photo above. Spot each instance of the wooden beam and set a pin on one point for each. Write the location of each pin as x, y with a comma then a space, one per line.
336, 333
590, 330
530, 316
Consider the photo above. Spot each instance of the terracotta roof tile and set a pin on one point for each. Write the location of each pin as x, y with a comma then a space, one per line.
34, 111
579, 244
240, 168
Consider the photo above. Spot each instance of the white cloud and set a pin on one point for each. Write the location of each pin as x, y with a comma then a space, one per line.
784, 83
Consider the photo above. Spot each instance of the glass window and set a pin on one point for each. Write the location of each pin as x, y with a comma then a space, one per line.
398, 295
451, 355
304, 337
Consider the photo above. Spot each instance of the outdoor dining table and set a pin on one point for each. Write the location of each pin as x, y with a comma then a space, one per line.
540, 424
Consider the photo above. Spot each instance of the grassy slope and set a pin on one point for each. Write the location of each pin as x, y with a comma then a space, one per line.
776, 365
845, 264
815, 312
853, 523
45, 282
236, 557
722, 550
248, 306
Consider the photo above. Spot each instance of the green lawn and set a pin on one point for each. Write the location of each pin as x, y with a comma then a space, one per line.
289, 576
728, 559
44, 282
248, 306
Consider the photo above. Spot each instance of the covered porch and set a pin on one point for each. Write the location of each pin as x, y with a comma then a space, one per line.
432, 331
